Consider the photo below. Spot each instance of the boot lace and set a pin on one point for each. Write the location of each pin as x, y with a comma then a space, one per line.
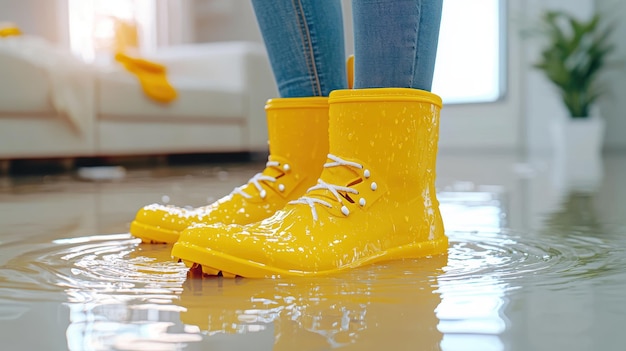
255, 180
332, 188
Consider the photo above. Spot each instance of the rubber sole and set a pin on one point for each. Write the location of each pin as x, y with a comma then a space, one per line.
152, 234
218, 263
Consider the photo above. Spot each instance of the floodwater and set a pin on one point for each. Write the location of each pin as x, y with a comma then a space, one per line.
537, 261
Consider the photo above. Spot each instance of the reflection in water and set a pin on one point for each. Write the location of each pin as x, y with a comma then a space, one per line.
389, 306
122, 295
473, 210
471, 314
576, 212
576, 223
125, 295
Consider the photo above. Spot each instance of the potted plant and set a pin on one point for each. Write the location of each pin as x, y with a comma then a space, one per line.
573, 57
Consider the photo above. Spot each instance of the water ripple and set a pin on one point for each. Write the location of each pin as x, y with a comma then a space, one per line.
118, 264
528, 260
86, 267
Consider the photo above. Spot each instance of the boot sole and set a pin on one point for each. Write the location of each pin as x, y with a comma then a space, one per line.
220, 264
153, 235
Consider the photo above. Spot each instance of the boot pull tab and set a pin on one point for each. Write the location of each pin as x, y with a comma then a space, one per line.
350, 71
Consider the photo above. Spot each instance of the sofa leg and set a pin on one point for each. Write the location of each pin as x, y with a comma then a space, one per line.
67, 164
5, 167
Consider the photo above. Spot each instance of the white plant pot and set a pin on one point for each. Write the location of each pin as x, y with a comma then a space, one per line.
578, 152
578, 138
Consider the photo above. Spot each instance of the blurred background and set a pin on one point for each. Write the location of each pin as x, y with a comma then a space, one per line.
495, 98
109, 105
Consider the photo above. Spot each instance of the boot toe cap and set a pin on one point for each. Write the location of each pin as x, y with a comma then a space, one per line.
161, 223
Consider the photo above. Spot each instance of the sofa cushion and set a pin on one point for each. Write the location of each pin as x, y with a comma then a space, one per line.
119, 94
24, 86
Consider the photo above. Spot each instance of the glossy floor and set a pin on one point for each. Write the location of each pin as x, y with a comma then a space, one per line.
537, 261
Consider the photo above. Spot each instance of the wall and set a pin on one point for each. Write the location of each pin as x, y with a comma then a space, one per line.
36, 17
613, 108
220, 20
223, 20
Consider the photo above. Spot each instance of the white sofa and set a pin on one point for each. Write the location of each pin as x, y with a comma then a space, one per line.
222, 88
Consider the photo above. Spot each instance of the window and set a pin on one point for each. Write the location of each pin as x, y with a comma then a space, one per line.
97, 27
470, 55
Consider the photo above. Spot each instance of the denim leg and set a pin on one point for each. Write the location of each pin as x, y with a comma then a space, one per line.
395, 42
305, 45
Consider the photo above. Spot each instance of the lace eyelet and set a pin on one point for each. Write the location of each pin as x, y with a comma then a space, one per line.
345, 210
335, 190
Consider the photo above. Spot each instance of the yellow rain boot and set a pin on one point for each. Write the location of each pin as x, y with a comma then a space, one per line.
298, 145
375, 199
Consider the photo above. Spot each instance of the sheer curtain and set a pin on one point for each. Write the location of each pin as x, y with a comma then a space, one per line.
99, 27
175, 22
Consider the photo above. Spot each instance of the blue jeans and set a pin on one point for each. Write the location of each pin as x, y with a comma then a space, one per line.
395, 44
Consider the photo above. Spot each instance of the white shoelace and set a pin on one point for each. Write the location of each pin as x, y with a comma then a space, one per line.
259, 177
334, 189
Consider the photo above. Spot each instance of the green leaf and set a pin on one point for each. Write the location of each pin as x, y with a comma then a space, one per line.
575, 53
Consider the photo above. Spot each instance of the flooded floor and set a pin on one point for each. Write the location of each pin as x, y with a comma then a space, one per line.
537, 261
